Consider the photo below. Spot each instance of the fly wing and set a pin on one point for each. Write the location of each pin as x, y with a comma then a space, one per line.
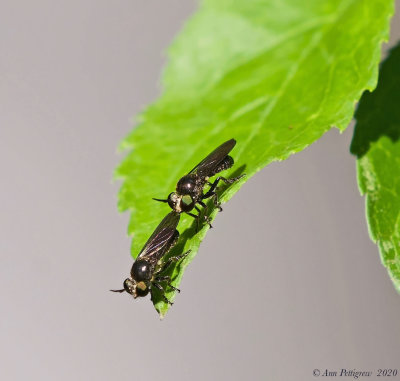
161, 237
207, 165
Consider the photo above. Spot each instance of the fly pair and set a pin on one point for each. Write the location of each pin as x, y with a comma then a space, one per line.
147, 271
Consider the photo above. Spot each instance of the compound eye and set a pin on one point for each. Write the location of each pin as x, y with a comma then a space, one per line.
142, 289
187, 200
187, 203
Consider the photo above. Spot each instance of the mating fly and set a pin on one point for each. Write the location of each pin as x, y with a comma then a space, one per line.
189, 190
149, 265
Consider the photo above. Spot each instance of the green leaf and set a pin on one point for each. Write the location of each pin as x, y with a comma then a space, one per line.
377, 146
273, 74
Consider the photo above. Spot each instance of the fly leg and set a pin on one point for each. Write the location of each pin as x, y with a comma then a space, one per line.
196, 217
217, 180
216, 201
211, 192
207, 219
159, 287
168, 280
173, 259
214, 196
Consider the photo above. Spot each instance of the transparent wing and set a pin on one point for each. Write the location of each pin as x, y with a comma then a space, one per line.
207, 165
161, 237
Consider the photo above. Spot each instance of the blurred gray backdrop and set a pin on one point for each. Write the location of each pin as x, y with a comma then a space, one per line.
287, 282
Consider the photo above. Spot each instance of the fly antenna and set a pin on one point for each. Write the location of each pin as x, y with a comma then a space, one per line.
118, 290
158, 199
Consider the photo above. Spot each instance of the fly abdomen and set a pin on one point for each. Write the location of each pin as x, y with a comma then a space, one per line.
226, 163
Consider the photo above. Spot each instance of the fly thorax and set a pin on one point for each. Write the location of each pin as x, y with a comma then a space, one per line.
187, 185
141, 270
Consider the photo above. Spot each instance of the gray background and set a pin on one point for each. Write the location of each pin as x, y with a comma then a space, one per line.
288, 280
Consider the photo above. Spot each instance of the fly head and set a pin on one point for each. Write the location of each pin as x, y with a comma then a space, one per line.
136, 289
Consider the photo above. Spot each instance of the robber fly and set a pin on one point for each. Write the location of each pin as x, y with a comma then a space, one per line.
149, 265
189, 190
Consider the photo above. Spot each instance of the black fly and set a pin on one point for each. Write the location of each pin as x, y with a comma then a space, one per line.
149, 265
189, 190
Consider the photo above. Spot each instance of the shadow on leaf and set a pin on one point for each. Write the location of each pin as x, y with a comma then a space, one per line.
378, 113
